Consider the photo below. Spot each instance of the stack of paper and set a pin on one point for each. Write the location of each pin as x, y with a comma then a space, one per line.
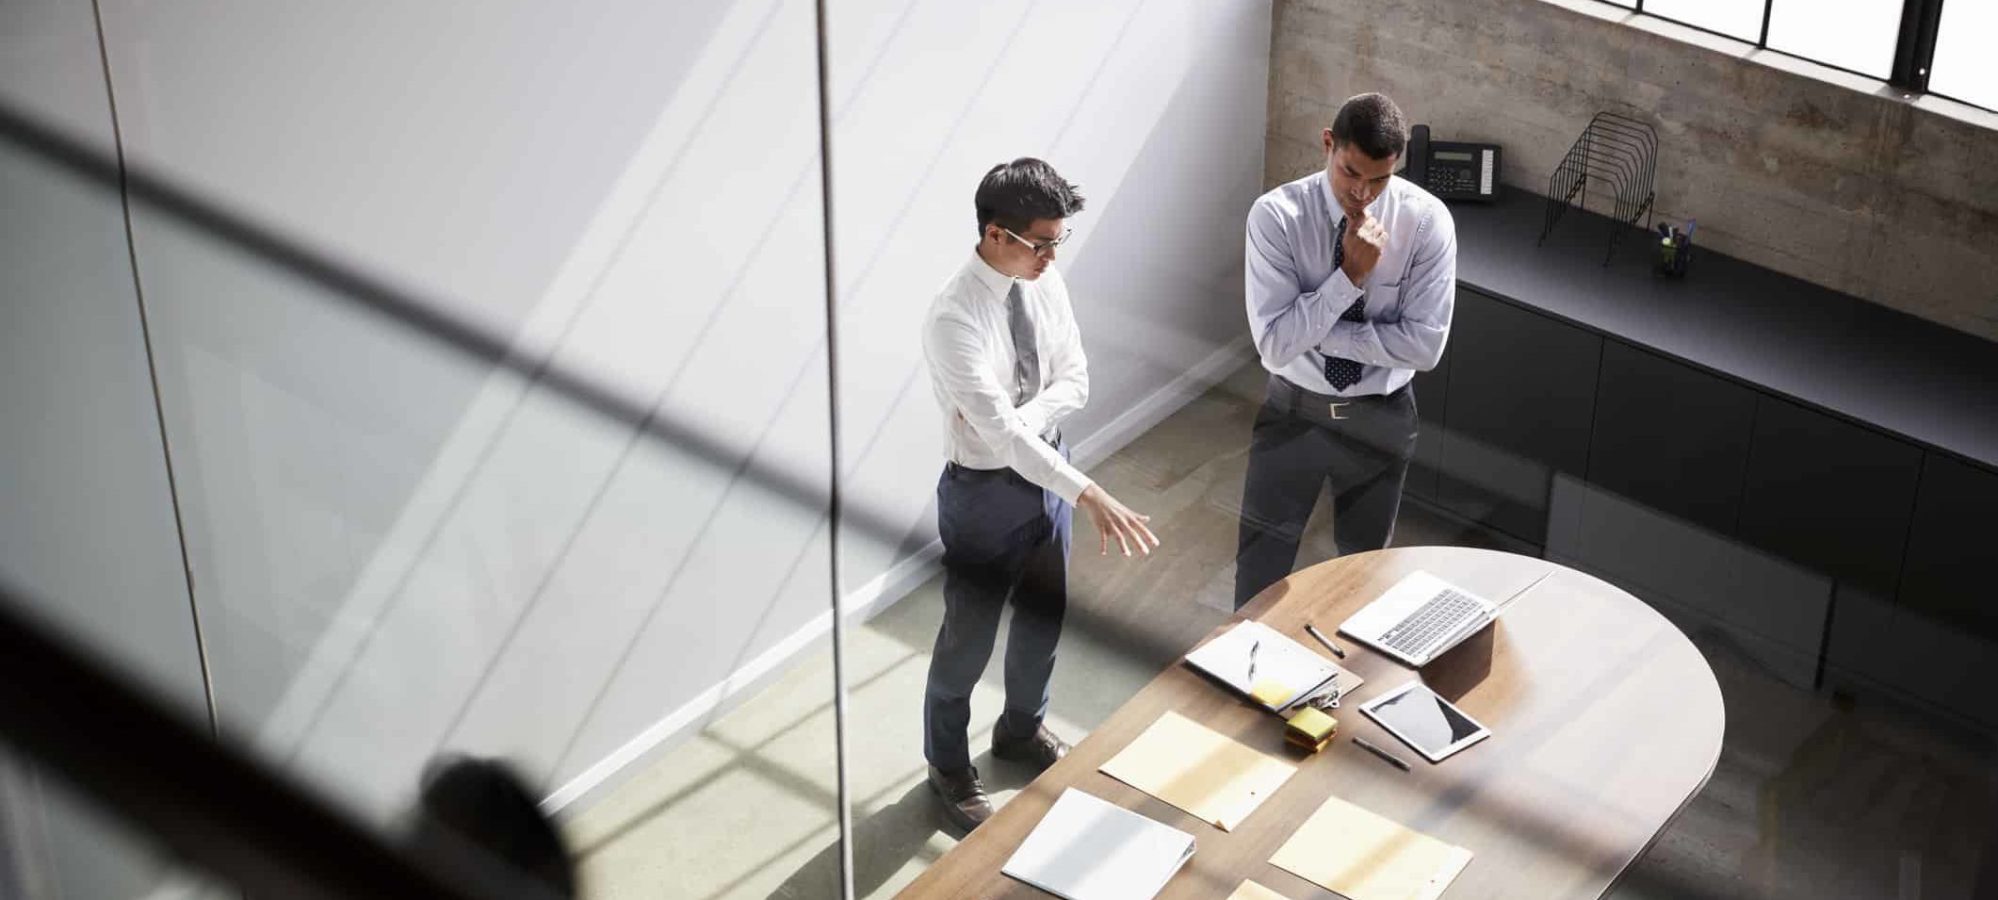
1284, 673
1087, 848
1199, 770
1362, 856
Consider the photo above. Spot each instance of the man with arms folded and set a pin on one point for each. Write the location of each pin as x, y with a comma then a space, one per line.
1351, 279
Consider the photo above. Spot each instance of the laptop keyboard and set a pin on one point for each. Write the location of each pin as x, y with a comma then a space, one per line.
1431, 622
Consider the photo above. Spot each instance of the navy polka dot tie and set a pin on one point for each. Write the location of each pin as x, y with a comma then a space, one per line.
1344, 373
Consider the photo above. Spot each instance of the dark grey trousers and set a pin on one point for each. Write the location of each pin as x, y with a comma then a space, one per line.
1296, 446
1004, 537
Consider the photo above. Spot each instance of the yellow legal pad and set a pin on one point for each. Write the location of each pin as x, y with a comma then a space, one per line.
1250, 890
1199, 770
1362, 856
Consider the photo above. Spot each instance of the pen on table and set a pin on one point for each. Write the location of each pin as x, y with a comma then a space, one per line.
1392, 759
1253, 647
1320, 635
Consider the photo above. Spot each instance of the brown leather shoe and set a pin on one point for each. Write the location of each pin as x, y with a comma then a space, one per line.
964, 802
1040, 751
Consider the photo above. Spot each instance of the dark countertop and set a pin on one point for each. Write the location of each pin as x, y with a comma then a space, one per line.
1924, 382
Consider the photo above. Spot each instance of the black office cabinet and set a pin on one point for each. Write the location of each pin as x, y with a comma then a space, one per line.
1938, 640
1671, 438
1829, 495
1953, 548
1432, 395
1521, 392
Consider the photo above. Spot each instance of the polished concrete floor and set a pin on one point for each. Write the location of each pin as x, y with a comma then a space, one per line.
1814, 797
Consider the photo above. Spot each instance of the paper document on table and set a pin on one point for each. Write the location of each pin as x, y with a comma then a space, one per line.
1250, 890
1087, 848
1363, 856
1199, 770
1268, 667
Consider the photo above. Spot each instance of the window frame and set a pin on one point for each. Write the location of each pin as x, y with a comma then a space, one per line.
1914, 47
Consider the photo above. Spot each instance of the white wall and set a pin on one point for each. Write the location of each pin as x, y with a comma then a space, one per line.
403, 552
86, 518
1150, 105
398, 550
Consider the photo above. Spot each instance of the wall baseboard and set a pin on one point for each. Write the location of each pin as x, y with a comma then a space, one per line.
878, 594
861, 604
1146, 414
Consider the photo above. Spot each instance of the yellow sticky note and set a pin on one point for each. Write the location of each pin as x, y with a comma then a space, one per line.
1199, 770
1310, 728
1364, 856
1249, 890
1270, 692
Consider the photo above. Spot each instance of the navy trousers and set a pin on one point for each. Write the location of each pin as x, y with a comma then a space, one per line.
1004, 538
1296, 446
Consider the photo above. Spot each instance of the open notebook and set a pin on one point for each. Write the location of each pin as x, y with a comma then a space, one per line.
1286, 672
1087, 848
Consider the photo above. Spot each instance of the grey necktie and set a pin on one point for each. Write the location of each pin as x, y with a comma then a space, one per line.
1026, 353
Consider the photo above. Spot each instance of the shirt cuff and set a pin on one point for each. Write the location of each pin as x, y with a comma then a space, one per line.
1340, 290
1069, 483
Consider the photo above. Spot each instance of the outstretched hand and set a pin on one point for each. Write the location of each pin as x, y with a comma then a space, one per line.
1114, 519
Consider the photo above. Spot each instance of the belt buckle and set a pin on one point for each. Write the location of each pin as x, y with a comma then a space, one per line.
1335, 410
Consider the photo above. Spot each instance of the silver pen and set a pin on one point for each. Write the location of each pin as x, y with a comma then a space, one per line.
1391, 759
1313, 629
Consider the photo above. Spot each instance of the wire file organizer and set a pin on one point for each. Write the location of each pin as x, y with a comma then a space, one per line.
1621, 154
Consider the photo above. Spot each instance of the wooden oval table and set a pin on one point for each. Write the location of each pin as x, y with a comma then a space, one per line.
1605, 722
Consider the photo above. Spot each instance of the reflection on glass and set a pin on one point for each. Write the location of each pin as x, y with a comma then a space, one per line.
1734, 18
1965, 67
1162, 427
1858, 35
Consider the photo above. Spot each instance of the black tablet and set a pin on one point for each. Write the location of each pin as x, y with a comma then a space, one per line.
1425, 721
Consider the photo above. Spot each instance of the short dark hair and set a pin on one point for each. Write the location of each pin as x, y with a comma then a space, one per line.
1374, 123
484, 805
1015, 194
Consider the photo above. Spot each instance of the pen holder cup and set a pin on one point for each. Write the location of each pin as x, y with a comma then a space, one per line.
1674, 254
1455, 673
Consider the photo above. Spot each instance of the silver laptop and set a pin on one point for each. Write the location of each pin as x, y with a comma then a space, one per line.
1420, 618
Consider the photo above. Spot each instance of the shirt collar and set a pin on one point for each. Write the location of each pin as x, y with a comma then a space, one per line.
999, 282
1337, 212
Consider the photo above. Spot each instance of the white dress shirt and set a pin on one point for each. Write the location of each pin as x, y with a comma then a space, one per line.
1295, 297
968, 341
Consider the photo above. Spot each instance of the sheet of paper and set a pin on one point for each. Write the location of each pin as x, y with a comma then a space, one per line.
1087, 848
1364, 856
1199, 770
1250, 890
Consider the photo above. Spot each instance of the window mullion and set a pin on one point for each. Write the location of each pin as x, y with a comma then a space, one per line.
1915, 50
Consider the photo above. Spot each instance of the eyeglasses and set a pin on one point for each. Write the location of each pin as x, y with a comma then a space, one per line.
1043, 249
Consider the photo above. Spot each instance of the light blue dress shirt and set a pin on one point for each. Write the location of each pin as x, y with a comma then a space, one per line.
1295, 297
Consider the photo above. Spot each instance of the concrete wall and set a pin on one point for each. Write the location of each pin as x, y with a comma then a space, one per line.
1843, 184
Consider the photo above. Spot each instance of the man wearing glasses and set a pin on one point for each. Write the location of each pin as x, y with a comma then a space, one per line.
1351, 279
1006, 365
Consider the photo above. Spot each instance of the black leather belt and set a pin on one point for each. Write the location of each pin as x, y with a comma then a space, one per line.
1299, 394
